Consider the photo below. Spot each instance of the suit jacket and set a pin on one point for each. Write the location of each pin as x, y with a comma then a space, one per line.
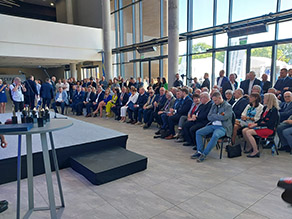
31, 89
47, 91
168, 104
202, 113
285, 112
227, 86
282, 83
64, 97
161, 101
124, 101
270, 119
224, 80
239, 106
266, 86
150, 101
99, 98
78, 97
231, 101
142, 99
91, 97
206, 83
185, 106
245, 84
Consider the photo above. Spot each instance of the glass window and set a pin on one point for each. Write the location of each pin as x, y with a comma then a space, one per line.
284, 57
183, 16
128, 70
203, 14
165, 18
221, 40
261, 60
202, 44
200, 65
286, 4
151, 19
155, 69
237, 64
128, 26
222, 11
220, 62
182, 48
250, 8
285, 30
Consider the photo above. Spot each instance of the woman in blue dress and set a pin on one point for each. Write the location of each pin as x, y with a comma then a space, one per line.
3, 97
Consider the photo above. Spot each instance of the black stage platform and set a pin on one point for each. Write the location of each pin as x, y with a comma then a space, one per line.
96, 152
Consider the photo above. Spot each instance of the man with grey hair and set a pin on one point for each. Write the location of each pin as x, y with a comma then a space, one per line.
247, 84
286, 106
240, 104
197, 120
229, 85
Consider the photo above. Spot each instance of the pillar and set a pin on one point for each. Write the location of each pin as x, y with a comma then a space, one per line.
106, 23
79, 72
73, 70
173, 40
69, 11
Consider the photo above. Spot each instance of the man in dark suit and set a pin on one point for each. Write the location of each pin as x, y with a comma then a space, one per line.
138, 108
89, 98
198, 120
286, 107
46, 93
266, 85
221, 79
94, 104
123, 99
91, 83
183, 110
249, 83
31, 92
177, 82
78, 97
231, 84
284, 83
240, 104
206, 82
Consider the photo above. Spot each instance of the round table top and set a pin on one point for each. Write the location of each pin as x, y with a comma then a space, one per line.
53, 125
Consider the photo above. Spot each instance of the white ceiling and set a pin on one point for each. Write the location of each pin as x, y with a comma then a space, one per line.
34, 62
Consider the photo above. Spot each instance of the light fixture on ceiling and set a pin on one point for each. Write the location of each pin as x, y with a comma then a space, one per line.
52, 4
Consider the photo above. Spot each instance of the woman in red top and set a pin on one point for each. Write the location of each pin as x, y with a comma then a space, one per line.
264, 127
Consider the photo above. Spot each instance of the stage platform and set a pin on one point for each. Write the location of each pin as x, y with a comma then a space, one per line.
81, 139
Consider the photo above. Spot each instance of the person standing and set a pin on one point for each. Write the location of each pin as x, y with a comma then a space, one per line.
46, 93
31, 93
17, 90
3, 97
177, 82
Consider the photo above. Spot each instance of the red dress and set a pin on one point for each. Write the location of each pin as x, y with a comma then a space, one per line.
265, 132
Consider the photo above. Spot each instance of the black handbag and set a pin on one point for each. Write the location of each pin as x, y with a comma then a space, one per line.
233, 150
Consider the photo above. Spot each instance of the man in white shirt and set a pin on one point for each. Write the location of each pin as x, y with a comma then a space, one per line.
17, 90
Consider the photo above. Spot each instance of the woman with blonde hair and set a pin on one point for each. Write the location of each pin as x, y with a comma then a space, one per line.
106, 99
264, 127
112, 102
131, 102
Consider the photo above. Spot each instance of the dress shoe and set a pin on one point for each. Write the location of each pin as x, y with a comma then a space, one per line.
201, 158
195, 148
188, 144
3, 202
146, 126
95, 115
254, 156
88, 115
179, 140
130, 121
196, 155
156, 136
158, 132
169, 137
3, 207
138, 123
248, 152
133, 122
176, 135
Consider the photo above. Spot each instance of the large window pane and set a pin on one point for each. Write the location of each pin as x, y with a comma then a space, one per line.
200, 65
260, 61
202, 44
129, 70
128, 26
285, 30
221, 40
220, 63
183, 16
284, 57
203, 14
237, 64
222, 11
182, 48
286, 4
251, 8
151, 19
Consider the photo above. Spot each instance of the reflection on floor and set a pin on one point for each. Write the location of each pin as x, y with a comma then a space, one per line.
173, 186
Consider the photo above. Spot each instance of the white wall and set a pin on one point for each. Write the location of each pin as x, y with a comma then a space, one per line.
22, 37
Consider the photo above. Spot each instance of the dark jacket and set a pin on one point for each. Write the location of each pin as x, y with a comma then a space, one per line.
206, 83
202, 112
161, 100
124, 101
91, 97
227, 86
224, 80
31, 89
142, 99
285, 111
185, 106
245, 84
178, 83
47, 91
270, 119
78, 97
240, 106
100, 97
266, 86
282, 83
231, 101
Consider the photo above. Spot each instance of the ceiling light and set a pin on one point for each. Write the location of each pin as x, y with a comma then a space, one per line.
52, 4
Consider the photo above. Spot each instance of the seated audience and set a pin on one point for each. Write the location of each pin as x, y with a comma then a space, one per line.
99, 96
231, 84
284, 83
196, 120
138, 107
196, 84
266, 85
61, 100
148, 109
240, 103
286, 107
183, 110
157, 86
122, 100
251, 113
264, 127
132, 101
220, 117
112, 102
164, 84
284, 131
107, 97
177, 82
206, 82
78, 97
249, 83
89, 97
91, 83
229, 97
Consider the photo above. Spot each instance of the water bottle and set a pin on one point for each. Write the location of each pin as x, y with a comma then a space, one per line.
273, 150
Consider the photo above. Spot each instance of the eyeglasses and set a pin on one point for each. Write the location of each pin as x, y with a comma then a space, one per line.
286, 96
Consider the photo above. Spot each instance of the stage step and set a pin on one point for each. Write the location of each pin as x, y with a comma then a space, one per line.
103, 166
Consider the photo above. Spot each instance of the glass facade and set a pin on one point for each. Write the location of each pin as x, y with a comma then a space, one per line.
204, 46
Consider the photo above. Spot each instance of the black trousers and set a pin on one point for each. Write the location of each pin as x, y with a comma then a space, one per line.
30, 101
189, 131
46, 102
18, 105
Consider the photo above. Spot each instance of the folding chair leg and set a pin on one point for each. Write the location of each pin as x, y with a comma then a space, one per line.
221, 149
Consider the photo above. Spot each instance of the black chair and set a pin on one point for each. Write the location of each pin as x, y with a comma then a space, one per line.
223, 138
271, 138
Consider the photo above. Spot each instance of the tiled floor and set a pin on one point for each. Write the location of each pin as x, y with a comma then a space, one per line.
173, 186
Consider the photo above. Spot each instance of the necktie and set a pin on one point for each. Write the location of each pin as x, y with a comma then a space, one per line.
194, 109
